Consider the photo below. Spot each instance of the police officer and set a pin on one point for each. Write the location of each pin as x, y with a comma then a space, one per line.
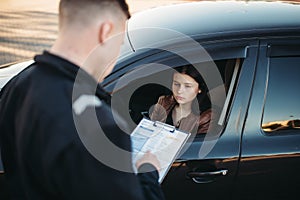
59, 139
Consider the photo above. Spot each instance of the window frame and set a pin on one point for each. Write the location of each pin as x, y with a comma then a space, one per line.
281, 48
217, 50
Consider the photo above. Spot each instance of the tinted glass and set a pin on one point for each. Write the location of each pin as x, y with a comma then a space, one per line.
282, 104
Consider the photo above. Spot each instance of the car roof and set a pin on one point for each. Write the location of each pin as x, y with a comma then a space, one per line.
212, 18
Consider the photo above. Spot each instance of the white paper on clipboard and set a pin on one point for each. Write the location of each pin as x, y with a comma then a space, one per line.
161, 139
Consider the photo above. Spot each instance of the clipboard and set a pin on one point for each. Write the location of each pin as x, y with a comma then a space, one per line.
163, 140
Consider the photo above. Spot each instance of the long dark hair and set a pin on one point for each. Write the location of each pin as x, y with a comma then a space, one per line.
202, 101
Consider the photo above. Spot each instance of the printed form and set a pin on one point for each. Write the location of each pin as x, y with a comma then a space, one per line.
160, 139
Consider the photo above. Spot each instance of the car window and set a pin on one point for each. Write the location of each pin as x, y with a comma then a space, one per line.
137, 84
281, 110
150, 89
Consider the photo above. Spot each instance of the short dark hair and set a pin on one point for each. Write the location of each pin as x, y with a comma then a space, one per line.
124, 7
73, 10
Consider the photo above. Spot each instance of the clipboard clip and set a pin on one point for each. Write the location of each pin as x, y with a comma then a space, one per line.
156, 123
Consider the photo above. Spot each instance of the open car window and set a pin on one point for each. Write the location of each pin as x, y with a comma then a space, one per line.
140, 94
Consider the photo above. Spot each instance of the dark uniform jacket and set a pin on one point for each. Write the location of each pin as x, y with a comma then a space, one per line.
59, 139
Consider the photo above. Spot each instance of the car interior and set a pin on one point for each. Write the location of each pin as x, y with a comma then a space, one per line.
147, 94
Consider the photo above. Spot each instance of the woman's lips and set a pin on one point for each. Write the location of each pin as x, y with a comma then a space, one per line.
179, 98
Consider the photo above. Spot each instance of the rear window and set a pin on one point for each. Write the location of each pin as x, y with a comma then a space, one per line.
282, 103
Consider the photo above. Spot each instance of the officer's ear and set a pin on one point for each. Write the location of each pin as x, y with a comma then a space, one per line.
105, 31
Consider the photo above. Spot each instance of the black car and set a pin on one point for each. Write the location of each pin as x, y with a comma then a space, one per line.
249, 56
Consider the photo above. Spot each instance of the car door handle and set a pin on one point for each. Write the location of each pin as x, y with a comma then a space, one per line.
206, 177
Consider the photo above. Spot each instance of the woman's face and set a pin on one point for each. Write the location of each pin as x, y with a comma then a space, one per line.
184, 88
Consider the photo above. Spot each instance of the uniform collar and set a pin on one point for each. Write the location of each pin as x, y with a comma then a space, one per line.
71, 71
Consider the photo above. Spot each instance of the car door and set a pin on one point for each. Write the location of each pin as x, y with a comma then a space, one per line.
270, 156
207, 166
